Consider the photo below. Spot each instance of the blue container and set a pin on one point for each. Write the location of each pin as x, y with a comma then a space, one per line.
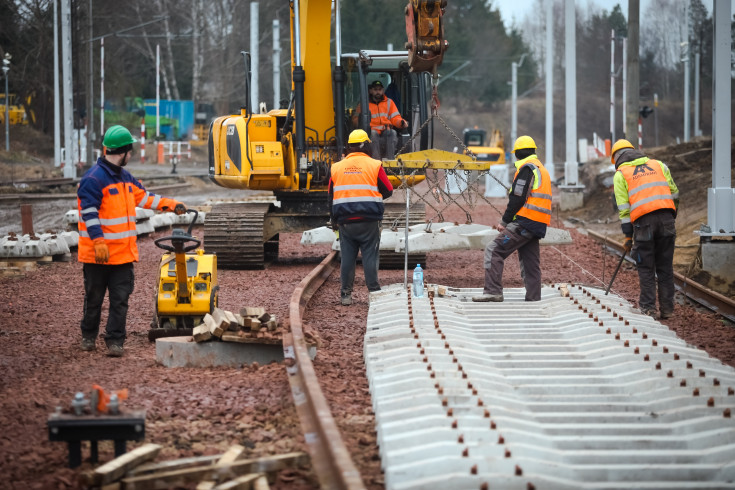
181, 111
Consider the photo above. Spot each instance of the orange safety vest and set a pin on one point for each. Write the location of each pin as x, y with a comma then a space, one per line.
538, 205
355, 188
384, 115
107, 203
648, 189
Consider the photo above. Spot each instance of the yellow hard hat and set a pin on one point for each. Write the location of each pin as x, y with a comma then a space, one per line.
358, 136
524, 142
619, 145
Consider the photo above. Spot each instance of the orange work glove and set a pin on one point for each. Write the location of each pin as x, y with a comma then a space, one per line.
179, 208
628, 244
101, 252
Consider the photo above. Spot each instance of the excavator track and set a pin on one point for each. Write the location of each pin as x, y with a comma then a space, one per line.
235, 233
416, 216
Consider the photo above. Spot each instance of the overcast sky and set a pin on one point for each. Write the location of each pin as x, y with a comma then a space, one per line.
515, 10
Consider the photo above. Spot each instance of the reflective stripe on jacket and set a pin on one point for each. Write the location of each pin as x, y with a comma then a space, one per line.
642, 186
384, 115
538, 205
355, 188
107, 200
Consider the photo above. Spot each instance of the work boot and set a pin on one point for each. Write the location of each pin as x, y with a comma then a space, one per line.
666, 315
346, 300
88, 345
114, 350
651, 313
495, 298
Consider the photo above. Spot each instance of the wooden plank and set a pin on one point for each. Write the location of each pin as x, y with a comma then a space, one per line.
255, 311
234, 453
240, 319
175, 464
255, 325
232, 320
220, 317
245, 482
247, 339
202, 333
193, 475
118, 467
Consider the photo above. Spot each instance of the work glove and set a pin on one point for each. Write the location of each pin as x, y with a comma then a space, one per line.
179, 208
628, 244
101, 252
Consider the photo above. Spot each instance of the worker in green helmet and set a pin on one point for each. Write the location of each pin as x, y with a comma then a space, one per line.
107, 197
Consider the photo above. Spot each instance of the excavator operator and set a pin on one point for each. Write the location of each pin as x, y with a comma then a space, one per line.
384, 120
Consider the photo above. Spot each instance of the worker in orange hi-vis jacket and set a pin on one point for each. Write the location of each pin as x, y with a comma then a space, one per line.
647, 200
107, 197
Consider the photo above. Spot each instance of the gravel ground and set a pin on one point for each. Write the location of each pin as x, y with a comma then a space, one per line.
204, 411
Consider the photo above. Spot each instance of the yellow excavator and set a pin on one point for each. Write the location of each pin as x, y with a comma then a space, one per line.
290, 151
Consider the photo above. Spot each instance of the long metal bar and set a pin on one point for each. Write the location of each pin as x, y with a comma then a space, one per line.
330, 458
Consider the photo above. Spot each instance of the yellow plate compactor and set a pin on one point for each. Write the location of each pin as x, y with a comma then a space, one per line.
187, 284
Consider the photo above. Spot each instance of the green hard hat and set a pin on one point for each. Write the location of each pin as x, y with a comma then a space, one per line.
117, 137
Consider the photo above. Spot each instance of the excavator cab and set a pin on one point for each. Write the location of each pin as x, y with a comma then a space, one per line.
411, 92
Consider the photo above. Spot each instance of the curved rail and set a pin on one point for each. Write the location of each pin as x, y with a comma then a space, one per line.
711, 300
329, 456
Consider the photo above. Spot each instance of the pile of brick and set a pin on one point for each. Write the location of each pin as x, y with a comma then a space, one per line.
251, 325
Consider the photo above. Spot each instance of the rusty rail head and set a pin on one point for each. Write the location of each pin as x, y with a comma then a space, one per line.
329, 456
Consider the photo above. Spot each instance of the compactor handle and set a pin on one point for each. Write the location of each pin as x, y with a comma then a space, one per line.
180, 237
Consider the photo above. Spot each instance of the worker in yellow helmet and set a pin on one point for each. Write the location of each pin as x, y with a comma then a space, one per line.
522, 226
647, 200
357, 186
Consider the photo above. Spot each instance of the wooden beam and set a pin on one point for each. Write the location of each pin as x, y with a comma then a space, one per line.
118, 467
212, 472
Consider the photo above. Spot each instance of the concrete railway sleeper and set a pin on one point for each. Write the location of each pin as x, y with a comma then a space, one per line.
578, 390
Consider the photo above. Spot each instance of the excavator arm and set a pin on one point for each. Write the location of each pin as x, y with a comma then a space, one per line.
425, 31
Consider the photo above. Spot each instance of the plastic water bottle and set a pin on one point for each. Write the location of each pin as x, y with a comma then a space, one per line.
418, 281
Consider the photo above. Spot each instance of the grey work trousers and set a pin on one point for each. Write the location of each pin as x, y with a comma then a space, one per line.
119, 280
363, 236
384, 144
654, 235
513, 238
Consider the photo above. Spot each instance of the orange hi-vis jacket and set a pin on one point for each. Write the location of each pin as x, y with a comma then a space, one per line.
648, 189
384, 115
354, 182
538, 205
107, 197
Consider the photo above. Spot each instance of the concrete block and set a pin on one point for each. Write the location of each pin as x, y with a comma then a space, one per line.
718, 258
492, 187
317, 235
183, 352
571, 198
10, 247
34, 248
71, 217
144, 227
143, 213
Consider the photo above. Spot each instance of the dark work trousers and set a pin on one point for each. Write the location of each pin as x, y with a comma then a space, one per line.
365, 237
513, 238
384, 144
654, 235
119, 281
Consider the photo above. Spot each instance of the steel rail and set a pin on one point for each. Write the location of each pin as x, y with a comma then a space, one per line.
712, 300
330, 458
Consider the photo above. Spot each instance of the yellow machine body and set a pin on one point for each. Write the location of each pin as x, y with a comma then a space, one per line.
193, 294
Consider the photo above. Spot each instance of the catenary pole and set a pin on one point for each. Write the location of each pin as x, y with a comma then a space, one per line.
549, 159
